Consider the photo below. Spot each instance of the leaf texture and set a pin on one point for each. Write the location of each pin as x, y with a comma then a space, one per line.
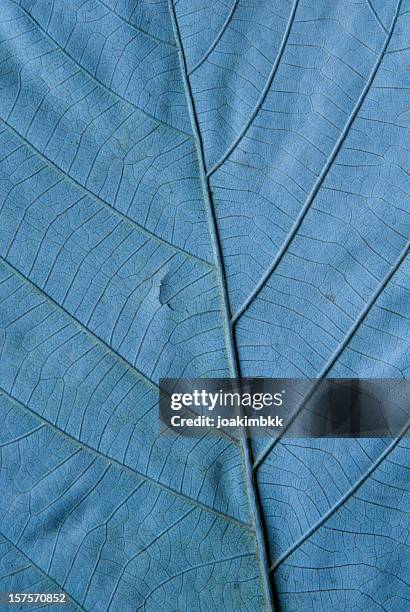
200, 189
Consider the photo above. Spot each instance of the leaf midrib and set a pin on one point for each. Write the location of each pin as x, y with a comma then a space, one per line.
254, 505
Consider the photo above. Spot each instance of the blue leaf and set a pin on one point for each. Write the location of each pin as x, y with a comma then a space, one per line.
200, 190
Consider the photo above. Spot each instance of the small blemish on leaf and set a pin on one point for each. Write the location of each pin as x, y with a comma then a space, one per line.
163, 294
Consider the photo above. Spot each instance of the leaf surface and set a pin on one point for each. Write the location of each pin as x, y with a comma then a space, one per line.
200, 190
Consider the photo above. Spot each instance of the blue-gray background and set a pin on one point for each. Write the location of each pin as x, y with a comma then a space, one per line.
163, 169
